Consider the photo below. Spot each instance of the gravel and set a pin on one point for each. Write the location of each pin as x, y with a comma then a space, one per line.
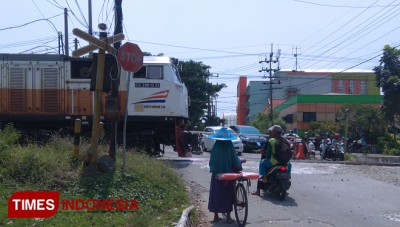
387, 174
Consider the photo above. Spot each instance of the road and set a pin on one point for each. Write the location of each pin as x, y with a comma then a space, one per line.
322, 194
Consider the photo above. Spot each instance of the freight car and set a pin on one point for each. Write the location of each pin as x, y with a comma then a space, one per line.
48, 92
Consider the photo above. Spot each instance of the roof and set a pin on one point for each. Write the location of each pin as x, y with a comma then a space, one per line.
361, 99
156, 60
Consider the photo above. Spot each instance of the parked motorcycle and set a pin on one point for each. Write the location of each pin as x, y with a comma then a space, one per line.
278, 181
191, 142
333, 151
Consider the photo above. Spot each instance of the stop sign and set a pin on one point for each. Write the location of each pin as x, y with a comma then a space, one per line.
130, 57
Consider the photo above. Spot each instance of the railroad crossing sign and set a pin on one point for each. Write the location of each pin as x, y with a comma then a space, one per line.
130, 56
96, 43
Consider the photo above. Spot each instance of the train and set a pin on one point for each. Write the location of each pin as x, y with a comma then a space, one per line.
50, 91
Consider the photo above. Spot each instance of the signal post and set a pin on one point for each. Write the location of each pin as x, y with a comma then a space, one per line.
103, 44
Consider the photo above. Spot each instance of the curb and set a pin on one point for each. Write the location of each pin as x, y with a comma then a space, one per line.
185, 217
375, 163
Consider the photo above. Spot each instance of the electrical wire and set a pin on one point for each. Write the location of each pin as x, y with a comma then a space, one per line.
360, 32
73, 14
336, 6
56, 5
82, 15
335, 31
25, 24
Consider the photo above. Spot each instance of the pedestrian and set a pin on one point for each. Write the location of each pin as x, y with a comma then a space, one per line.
223, 159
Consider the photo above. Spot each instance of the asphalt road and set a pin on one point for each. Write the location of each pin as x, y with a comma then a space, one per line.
322, 194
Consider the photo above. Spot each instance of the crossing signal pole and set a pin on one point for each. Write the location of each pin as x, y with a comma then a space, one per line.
270, 82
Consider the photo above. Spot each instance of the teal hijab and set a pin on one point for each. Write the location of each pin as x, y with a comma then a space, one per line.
223, 157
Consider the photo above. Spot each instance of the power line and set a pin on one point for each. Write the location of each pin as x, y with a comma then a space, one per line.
44, 19
83, 16
338, 29
73, 14
359, 32
57, 5
337, 6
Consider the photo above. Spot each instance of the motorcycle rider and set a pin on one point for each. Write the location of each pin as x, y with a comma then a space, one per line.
270, 160
325, 143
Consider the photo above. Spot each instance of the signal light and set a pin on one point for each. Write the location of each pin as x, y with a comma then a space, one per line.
283, 168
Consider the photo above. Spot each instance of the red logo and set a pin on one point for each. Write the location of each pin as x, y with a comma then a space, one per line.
33, 204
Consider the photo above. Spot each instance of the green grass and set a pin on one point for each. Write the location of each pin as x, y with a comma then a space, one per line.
159, 192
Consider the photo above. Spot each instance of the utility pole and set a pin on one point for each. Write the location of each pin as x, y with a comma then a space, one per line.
59, 42
348, 115
211, 112
113, 99
66, 31
90, 17
76, 43
270, 70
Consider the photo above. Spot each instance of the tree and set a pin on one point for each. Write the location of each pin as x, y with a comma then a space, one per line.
195, 76
387, 77
263, 122
319, 128
369, 122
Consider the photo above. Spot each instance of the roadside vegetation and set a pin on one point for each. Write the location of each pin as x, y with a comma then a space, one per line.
159, 192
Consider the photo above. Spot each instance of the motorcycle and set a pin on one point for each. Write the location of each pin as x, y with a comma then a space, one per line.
333, 151
278, 181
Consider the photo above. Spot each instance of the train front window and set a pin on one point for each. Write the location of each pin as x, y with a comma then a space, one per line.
154, 72
150, 72
141, 73
177, 77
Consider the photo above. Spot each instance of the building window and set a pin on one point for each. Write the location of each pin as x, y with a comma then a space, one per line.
291, 91
363, 87
352, 87
309, 116
340, 86
288, 118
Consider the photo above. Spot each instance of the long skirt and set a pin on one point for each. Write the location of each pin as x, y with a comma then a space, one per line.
221, 195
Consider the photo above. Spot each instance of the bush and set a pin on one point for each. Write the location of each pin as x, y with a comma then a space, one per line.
391, 146
8, 137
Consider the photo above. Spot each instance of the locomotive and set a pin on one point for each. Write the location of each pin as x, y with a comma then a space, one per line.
49, 92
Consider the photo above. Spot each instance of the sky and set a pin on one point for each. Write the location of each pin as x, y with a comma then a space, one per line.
230, 36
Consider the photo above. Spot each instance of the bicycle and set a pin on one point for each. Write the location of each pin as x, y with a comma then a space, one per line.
240, 202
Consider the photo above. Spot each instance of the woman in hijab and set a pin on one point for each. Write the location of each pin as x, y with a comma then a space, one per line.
223, 159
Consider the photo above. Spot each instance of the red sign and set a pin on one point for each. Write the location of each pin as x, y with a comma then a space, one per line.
45, 204
33, 204
130, 57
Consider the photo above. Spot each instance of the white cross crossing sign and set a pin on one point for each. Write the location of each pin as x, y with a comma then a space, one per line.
96, 43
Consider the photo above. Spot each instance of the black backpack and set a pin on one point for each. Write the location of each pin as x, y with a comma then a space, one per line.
283, 154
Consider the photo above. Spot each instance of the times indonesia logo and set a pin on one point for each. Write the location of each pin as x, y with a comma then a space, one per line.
45, 204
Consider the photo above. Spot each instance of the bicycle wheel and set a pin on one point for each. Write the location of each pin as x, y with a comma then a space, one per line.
240, 204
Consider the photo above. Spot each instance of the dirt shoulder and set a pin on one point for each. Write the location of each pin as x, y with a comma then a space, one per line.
196, 199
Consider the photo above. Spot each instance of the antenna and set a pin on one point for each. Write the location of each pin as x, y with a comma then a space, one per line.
297, 66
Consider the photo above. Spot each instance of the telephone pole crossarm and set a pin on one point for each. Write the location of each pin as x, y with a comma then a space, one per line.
270, 70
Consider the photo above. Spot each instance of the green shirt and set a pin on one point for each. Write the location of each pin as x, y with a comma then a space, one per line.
271, 151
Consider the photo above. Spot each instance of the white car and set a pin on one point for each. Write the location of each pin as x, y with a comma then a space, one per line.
207, 143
